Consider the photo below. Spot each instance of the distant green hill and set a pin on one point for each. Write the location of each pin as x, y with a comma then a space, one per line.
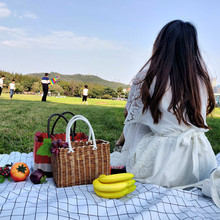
84, 78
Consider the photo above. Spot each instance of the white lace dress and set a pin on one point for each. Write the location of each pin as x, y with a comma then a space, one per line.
166, 154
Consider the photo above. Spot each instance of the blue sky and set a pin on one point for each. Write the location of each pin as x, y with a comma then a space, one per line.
108, 38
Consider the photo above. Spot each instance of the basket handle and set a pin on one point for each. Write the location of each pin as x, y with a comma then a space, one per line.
74, 127
48, 123
91, 132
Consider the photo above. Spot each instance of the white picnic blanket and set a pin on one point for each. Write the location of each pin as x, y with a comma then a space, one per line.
24, 200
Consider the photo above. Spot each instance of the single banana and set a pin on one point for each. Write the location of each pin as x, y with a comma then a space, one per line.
109, 187
130, 182
102, 175
119, 177
115, 195
131, 189
112, 187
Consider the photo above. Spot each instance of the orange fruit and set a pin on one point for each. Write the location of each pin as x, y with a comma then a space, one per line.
19, 172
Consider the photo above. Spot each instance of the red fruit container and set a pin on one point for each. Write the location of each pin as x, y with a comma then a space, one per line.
44, 162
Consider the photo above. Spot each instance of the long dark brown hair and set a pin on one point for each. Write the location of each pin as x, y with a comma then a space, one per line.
176, 60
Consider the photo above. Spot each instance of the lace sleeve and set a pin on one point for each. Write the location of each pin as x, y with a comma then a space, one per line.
134, 104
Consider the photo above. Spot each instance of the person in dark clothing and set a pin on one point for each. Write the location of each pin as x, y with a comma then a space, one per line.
45, 81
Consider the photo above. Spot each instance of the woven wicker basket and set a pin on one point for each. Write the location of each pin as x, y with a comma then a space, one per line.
83, 161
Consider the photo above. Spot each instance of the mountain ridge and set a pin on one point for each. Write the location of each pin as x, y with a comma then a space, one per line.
83, 78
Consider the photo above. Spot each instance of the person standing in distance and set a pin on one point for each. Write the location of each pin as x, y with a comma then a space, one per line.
12, 88
2, 84
85, 94
45, 81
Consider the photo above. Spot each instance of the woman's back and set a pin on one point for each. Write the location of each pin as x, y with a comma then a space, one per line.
164, 130
168, 124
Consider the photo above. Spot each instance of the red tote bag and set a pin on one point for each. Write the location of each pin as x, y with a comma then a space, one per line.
44, 162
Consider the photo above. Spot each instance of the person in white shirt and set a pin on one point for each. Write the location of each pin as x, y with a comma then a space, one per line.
12, 88
2, 84
85, 94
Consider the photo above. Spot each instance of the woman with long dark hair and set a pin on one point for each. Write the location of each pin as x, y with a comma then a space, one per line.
167, 106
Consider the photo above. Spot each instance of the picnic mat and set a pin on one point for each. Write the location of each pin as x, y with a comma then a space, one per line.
24, 200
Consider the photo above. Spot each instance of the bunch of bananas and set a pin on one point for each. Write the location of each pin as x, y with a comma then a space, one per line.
114, 186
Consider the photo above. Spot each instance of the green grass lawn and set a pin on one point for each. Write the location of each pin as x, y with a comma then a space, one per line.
214, 134
24, 115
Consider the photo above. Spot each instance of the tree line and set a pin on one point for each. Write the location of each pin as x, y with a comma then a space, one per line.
25, 83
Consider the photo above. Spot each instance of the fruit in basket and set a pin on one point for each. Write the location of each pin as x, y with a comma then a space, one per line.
81, 137
19, 171
115, 177
59, 143
38, 176
39, 136
112, 188
65, 145
54, 150
56, 145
